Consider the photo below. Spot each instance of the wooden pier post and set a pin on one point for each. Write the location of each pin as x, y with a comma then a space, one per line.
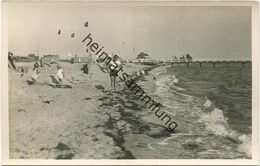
243, 63
187, 64
200, 64
214, 65
228, 64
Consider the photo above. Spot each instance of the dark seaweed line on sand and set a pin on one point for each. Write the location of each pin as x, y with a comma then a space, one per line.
112, 130
137, 125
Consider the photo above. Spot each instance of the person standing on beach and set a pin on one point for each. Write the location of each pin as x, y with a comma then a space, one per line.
35, 73
60, 74
113, 68
85, 68
113, 75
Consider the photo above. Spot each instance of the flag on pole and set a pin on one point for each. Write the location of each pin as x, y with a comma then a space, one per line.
86, 24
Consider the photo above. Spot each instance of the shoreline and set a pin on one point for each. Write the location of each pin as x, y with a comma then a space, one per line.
128, 113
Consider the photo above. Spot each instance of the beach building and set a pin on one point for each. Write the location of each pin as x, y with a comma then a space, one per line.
130, 61
174, 59
77, 59
142, 55
186, 58
33, 57
29, 58
144, 58
47, 59
146, 61
189, 58
182, 59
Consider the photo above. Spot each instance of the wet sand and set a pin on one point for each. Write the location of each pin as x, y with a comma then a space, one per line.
84, 121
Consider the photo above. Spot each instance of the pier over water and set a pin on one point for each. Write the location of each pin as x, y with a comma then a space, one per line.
224, 63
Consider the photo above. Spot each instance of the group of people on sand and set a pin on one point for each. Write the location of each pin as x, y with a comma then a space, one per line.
113, 74
36, 73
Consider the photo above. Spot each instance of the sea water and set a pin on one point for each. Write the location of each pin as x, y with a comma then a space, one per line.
212, 107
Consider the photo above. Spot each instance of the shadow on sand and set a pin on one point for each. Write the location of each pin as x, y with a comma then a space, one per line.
29, 82
54, 80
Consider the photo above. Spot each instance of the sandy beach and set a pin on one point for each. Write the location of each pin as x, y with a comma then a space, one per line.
90, 121
84, 121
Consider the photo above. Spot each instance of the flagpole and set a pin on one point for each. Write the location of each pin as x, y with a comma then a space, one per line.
134, 51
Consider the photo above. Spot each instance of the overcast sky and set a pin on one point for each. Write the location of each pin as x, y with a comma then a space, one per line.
162, 32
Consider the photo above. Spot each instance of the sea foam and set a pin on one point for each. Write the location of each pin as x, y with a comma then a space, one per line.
207, 103
217, 124
246, 145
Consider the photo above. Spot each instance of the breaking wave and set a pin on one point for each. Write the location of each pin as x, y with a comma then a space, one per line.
217, 124
246, 145
164, 84
207, 103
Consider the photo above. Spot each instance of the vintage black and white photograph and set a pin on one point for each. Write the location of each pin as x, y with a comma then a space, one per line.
129, 81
